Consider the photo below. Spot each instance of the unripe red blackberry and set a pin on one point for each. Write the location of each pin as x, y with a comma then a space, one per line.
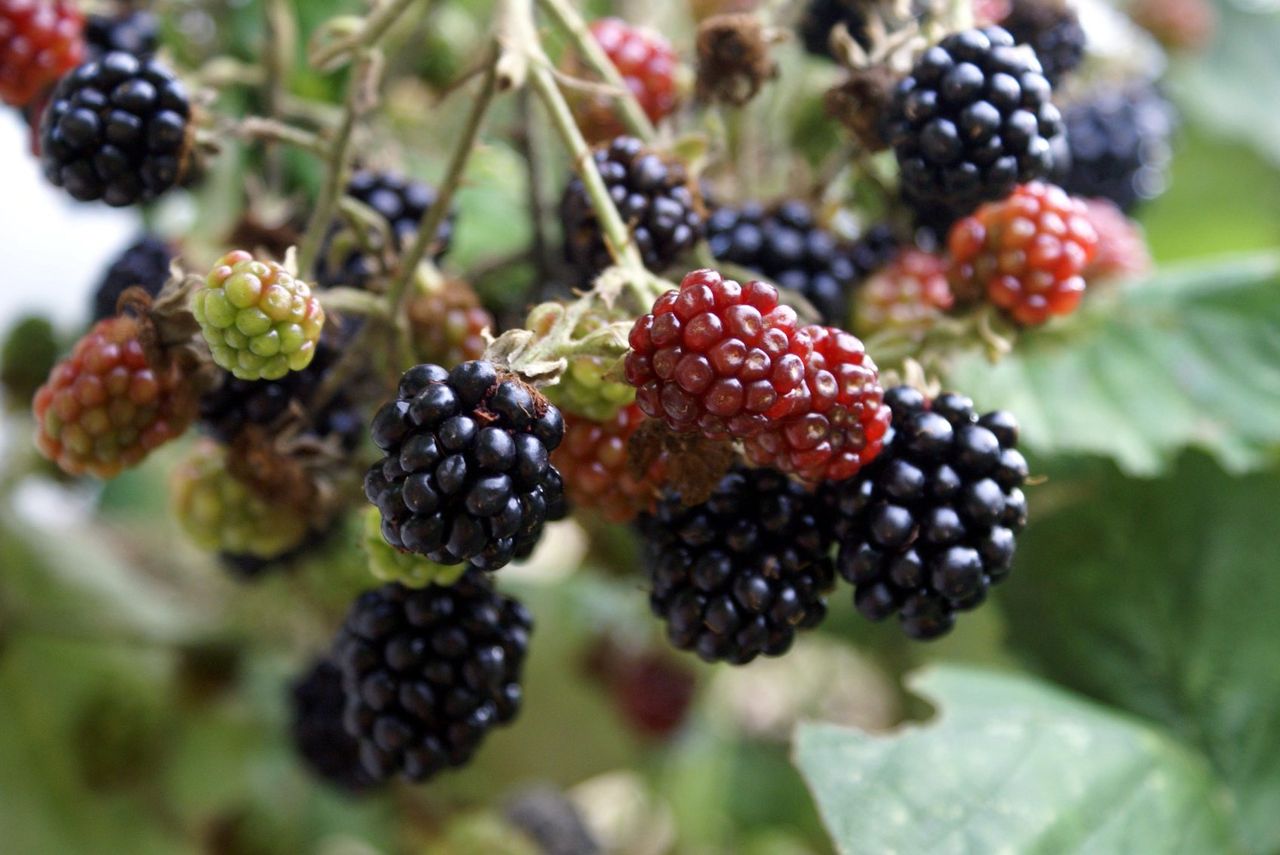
118, 129
1180, 25
39, 42
717, 357
647, 63
909, 294
1026, 254
972, 120
145, 264
840, 419
593, 460
110, 403
318, 705
1052, 29
655, 197
428, 673
741, 574
1122, 247
988, 12
467, 474
927, 529
448, 325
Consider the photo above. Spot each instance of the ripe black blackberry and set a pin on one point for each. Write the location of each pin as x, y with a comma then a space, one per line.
1120, 144
134, 32
655, 197
1052, 29
402, 202
428, 672
822, 16
931, 524
785, 245
739, 575
145, 264
117, 129
972, 120
319, 704
467, 474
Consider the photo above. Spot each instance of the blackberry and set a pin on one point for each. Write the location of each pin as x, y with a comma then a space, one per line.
118, 129
144, 264
931, 525
739, 575
232, 405
402, 202
785, 245
822, 16
972, 120
1053, 30
648, 66
428, 672
135, 32
655, 197
467, 474
318, 705
1119, 140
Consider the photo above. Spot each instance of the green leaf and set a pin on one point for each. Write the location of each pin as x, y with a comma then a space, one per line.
1186, 358
1011, 765
1161, 597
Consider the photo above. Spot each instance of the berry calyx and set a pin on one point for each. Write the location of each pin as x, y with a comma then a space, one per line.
595, 465
647, 63
111, 402
1026, 253
259, 320
909, 294
39, 42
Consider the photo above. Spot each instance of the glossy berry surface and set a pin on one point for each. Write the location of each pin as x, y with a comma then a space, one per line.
973, 119
1026, 254
317, 705
838, 422
429, 673
647, 63
593, 461
39, 42
740, 575
144, 264
1052, 29
117, 129
107, 405
259, 320
388, 564
931, 526
655, 198
717, 357
467, 474
135, 32
909, 294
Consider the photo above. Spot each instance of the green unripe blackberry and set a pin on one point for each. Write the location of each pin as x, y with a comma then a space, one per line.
391, 565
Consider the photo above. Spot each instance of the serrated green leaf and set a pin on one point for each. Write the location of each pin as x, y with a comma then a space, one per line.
1011, 765
1161, 597
1190, 357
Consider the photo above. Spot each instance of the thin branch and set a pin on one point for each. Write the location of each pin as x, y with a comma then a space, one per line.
271, 130
281, 37
375, 27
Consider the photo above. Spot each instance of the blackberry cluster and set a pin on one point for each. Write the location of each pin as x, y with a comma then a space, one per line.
134, 32
1120, 144
785, 245
400, 201
741, 574
427, 673
318, 706
931, 525
972, 120
234, 404
144, 264
118, 129
1052, 29
655, 198
467, 474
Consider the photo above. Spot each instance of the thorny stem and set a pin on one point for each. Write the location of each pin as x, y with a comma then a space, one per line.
573, 26
362, 81
375, 27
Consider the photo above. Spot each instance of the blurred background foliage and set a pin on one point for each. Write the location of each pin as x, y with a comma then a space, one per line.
1122, 698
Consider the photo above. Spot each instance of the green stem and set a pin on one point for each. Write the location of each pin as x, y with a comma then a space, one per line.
375, 27
352, 301
573, 26
270, 130
276, 60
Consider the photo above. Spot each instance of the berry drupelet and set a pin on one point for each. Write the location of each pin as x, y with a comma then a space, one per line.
739, 575
428, 673
1026, 254
117, 129
972, 120
318, 706
909, 295
39, 42
145, 264
661, 207
1120, 144
402, 203
467, 474
647, 63
1052, 29
594, 463
928, 529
